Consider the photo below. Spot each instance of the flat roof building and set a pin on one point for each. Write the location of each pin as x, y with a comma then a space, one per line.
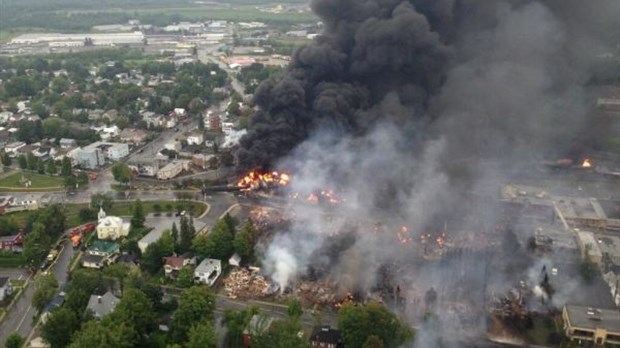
600, 326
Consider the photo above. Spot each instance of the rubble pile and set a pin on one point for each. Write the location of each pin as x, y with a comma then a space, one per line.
246, 283
321, 293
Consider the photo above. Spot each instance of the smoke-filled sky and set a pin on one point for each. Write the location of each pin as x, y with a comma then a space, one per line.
399, 104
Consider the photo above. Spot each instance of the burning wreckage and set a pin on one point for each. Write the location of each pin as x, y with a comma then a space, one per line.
412, 111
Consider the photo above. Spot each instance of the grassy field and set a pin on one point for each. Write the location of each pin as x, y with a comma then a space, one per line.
231, 14
119, 208
10, 260
12, 182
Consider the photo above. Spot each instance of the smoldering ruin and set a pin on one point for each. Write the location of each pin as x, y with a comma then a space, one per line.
413, 114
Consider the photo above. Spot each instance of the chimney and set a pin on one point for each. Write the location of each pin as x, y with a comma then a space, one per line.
98, 299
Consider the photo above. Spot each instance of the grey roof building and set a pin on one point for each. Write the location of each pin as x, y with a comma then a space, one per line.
102, 305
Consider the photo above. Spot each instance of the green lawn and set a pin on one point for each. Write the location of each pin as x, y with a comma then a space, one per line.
13, 182
9, 260
244, 13
120, 208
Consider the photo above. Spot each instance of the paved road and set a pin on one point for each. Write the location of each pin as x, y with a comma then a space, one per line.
19, 319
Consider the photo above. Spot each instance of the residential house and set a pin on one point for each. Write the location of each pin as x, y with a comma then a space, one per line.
203, 161
12, 242
173, 265
95, 115
100, 253
116, 151
42, 152
152, 119
195, 138
5, 116
107, 133
173, 145
208, 271
179, 111
102, 305
597, 326
90, 157
172, 169
326, 337
5, 288
133, 136
12, 148
110, 115
258, 325
67, 143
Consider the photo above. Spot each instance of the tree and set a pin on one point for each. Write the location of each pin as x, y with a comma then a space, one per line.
157, 209
196, 305
135, 310
6, 159
122, 173
45, 288
186, 237
202, 335
101, 200
103, 334
357, 323
373, 342
82, 178
41, 167
152, 258
245, 240
84, 282
51, 167
23, 162
66, 169
33, 161
138, 218
185, 279
218, 244
87, 214
14, 340
236, 322
282, 334
36, 244
175, 236
295, 311
70, 182
59, 327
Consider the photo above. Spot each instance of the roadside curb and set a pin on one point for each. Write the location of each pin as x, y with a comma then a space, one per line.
229, 210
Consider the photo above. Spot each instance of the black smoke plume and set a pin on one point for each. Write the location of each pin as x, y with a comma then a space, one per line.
388, 60
408, 109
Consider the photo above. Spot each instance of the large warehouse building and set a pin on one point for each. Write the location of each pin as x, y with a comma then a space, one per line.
68, 40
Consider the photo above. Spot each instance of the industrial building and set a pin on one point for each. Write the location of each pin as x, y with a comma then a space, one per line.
580, 212
79, 39
172, 169
599, 326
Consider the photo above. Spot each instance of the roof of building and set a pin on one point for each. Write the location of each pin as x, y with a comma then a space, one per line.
207, 265
580, 208
102, 305
103, 246
91, 258
3, 281
174, 261
325, 334
111, 221
592, 318
588, 241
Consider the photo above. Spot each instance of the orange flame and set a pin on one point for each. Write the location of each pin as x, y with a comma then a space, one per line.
587, 163
254, 180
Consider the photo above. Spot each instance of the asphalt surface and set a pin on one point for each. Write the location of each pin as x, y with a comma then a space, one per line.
19, 319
